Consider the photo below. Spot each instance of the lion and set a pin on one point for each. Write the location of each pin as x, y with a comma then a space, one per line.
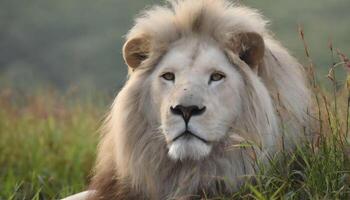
205, 77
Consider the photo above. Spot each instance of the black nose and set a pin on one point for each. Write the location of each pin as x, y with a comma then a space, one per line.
187, 111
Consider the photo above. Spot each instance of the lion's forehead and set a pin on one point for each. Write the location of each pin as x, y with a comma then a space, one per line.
194, 56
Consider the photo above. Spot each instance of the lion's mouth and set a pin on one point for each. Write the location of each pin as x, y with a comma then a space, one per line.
188, 134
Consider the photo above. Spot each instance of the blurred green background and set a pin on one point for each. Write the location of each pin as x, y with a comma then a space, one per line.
77, 44
53, 51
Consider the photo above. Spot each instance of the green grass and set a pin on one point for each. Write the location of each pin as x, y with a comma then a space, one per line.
46, 148
48, 144
320, 167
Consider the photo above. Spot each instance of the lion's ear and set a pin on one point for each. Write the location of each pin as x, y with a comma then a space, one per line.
135, 51
250, 47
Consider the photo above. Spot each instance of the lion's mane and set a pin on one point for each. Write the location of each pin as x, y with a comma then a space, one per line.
132, 160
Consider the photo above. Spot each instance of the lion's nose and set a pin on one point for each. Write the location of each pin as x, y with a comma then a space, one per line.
187, 111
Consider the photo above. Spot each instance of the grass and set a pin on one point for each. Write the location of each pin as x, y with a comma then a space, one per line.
48, 144
318, 169
47, 148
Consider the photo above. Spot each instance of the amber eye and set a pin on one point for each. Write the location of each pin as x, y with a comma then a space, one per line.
168, 76
216, 76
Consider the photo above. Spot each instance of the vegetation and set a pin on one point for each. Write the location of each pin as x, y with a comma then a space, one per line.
48, 144
48, 139
47, 147
320, 168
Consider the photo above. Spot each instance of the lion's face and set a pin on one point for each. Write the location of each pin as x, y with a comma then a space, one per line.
196, 92
203, 77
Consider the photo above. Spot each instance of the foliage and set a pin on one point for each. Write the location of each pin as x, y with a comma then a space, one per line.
320, 168
48, 145
47, 148
48, 140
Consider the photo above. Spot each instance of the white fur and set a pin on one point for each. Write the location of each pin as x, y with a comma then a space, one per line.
191, 60
242, 107
80, 196
191, 149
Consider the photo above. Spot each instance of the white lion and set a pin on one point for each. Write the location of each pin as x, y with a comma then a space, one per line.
204, 76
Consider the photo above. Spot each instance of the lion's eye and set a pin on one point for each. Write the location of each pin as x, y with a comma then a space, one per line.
216, 76
168, 76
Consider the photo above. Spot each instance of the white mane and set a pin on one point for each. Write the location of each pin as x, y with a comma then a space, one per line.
133, 157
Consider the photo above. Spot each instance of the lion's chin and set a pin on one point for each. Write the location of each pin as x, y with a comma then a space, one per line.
189, 148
